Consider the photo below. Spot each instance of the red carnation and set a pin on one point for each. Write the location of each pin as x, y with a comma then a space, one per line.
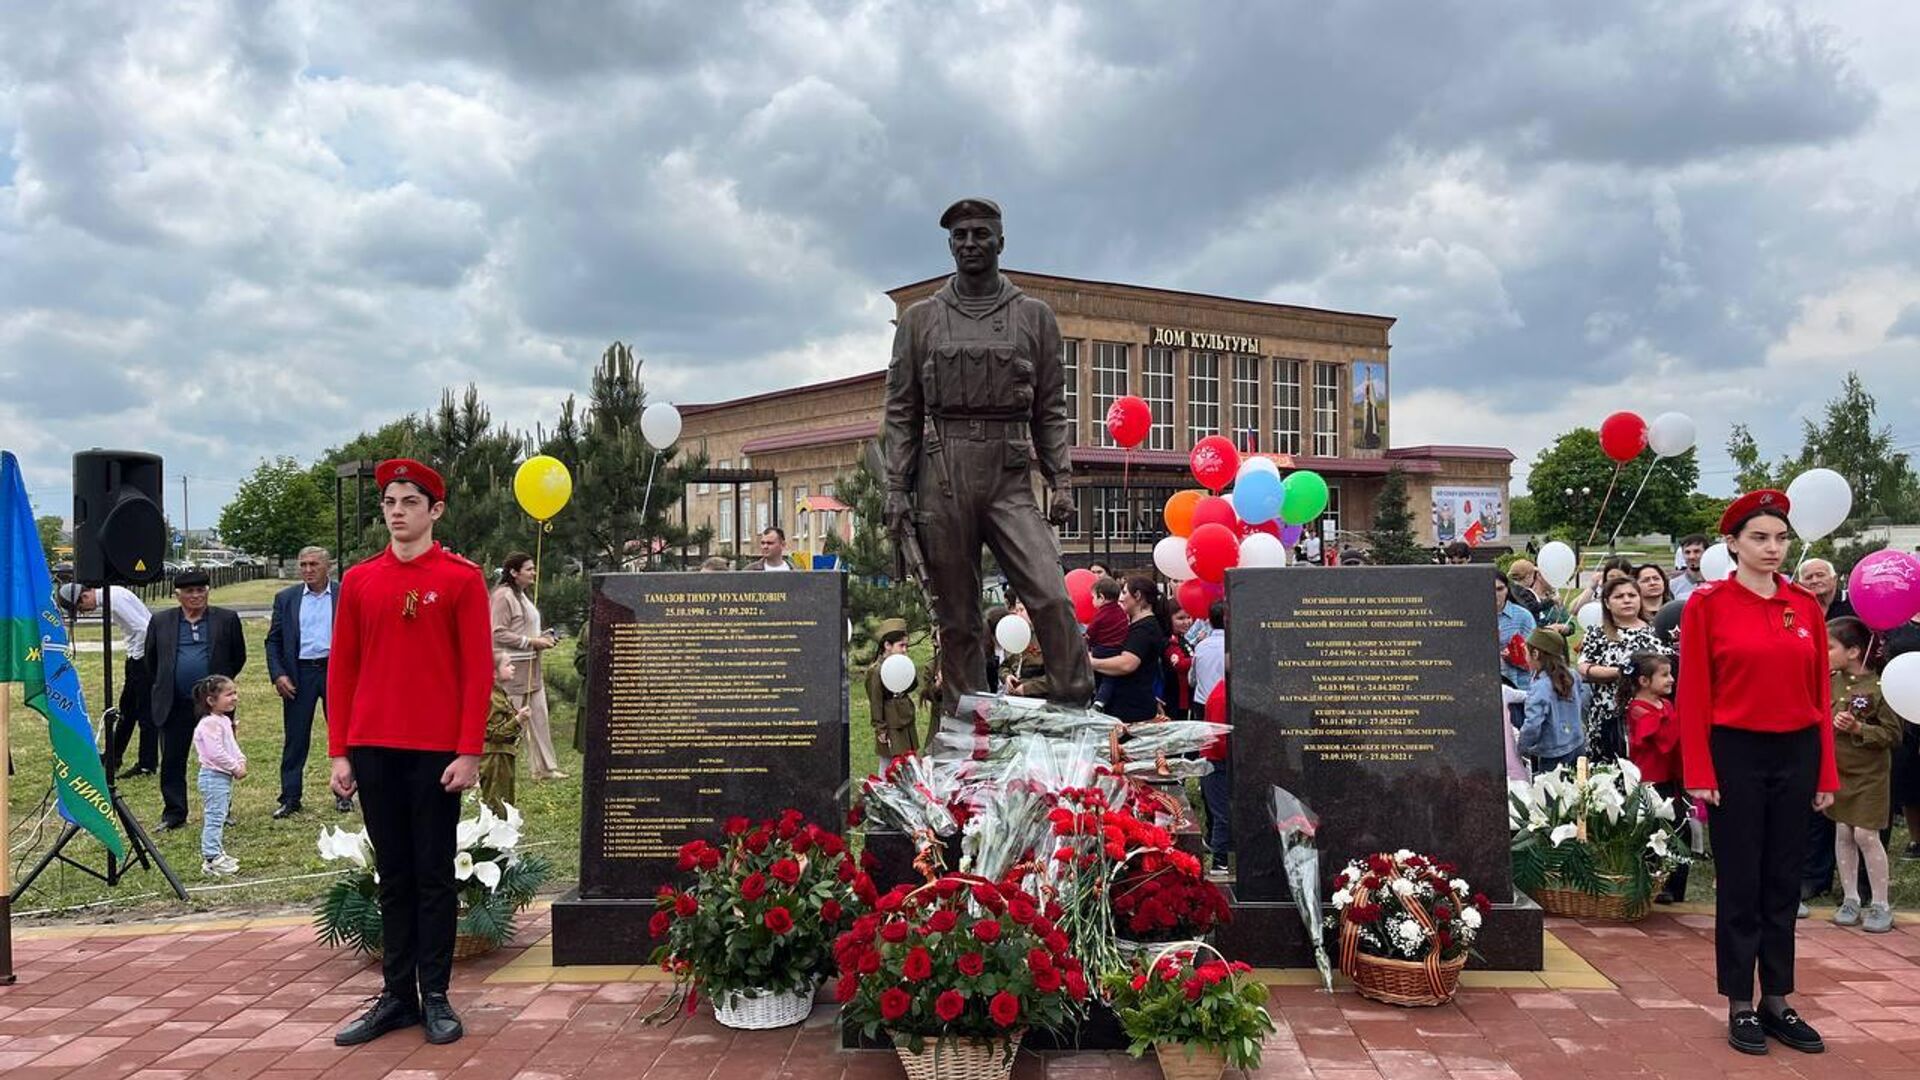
895, 930
894, 1003
893, 899
947, 886
785, 871
863, 889
942, 921
987, 930
660, 923
1481, 903
918, 964
1004, 1008
685, 904
754, 887
848, 986
846, 871
971, 964
1192, 988
779, 920
1139, 983
830, 911
949, 1005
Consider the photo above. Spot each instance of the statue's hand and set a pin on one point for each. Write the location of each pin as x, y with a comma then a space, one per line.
1060, 507
899, 512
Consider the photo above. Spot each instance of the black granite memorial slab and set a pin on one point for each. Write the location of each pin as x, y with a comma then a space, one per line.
1372, 693
713, 695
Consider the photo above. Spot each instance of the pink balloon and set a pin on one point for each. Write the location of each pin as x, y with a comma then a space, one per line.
1884, 589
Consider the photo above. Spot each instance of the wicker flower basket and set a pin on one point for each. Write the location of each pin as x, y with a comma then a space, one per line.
1555, 898
961, 1059
1185, 1061
758, 1010
1406, 982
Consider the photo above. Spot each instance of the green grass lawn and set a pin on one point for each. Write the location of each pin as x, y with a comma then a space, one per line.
257, 593
279, 863
1905, 886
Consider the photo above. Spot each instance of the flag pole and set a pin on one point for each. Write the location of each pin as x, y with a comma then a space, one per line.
6, 854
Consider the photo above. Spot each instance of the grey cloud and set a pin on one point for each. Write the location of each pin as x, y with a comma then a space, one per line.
1906, 324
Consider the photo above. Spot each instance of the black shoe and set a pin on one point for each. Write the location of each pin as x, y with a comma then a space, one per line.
286, 810
1665, 898
136, 772
169, 826
389, 1013
343, 804
442, 1025
1745, 1034
1793, 1032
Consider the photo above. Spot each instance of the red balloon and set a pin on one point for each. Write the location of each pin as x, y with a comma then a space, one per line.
1213, 510
1212, 550
1215, 462
1083, 608
1128, 420
1080, 591
1271, 528
1194, 598
1622, 436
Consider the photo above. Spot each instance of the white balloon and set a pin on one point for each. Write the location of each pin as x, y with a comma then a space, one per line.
1716, 562
1671, 434
1900, 686
1170, 558
1557, 562
1014, 634
1262, 549
896, 673
1589, 614
1821, 500
1257, 464
660, 425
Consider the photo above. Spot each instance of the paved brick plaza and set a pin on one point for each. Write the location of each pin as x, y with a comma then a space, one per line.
260, 998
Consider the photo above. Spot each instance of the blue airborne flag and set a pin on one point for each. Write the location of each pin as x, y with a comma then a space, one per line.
34, 652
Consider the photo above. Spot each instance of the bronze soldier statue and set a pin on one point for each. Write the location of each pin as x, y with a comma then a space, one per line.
975, 398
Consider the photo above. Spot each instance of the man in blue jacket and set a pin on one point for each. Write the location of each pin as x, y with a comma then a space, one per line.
298, 644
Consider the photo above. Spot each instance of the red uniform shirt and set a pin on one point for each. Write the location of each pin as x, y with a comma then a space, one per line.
1755, 663
412, 660
1653, 740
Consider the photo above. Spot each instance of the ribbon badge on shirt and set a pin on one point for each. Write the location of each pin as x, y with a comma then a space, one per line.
410, 604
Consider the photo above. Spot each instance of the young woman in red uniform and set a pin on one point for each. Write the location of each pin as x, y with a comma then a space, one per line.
408, 690
1758, 749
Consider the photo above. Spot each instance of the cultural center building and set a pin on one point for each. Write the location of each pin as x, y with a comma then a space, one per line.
1305, 386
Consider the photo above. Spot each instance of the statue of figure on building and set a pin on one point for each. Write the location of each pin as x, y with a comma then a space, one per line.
976, 397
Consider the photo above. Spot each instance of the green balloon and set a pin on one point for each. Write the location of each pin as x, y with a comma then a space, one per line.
1306, 497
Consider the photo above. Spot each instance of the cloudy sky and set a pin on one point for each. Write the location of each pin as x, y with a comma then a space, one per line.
230, 230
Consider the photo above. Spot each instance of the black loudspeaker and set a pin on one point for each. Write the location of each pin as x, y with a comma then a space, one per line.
119, 531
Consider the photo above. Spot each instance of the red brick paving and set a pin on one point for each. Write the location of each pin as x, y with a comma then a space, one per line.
261, 1004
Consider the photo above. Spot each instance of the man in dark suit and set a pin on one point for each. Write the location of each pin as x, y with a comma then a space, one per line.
184, 646
298, 643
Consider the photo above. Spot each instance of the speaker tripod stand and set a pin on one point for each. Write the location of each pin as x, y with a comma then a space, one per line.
141, 851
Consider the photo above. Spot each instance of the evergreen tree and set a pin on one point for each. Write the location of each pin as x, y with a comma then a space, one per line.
1392, 535
477, 461
875, 591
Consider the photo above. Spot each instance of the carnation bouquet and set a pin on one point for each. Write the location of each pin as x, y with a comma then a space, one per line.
1604, 834
958, 960
760, 915
1406, 925
495, 884
1191, 1007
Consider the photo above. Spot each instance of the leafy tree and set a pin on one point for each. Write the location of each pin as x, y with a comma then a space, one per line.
53, 531
875, 591
1847, 441
1576, 463
1392, 536
1751, 470
1702, 516
277, 510
366, 534
1521, 516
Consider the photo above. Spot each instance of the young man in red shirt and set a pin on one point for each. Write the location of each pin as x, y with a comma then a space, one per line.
408, 690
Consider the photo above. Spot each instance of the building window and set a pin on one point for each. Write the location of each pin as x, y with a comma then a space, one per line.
1156, 386
1203, 395
1286, 406
725, 534
1245, 429
1330, 517
802, 517
1326, 410
760, 517
1070, 371
1109, 383
1116, 521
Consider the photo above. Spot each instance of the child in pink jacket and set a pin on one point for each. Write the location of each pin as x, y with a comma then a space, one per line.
221, 763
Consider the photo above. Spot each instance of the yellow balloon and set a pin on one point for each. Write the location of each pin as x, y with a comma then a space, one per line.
542, 485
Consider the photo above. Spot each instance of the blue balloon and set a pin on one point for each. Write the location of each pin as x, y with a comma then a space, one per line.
1257, 496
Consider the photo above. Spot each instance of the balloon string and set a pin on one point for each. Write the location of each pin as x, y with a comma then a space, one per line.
647, 497
1604, 499
1635, 501
539, 533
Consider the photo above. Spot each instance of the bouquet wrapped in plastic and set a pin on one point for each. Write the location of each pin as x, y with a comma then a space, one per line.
913, 796
1300, 859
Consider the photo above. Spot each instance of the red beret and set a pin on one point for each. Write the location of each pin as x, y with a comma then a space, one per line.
410, 470
1750, 504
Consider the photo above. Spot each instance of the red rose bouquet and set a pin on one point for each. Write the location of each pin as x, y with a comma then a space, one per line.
761, 914
1160, 892
1190, 1007
960, 958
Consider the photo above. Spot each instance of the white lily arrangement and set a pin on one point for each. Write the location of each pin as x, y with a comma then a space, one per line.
1611, 833
495, 881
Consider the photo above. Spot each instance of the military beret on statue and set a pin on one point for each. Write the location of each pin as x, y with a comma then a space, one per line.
413, 472
1753, 502
971, 207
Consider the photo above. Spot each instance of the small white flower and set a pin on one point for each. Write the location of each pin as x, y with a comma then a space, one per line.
1460, 886
1342, 898
463, 865
1657, 843
1403, 854
1563, 832
1471, 917
1402, 887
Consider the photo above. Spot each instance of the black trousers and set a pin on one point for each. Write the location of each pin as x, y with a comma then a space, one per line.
296, 717
1816, 876
136, 714
412, 822
1767, 783
176, 739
